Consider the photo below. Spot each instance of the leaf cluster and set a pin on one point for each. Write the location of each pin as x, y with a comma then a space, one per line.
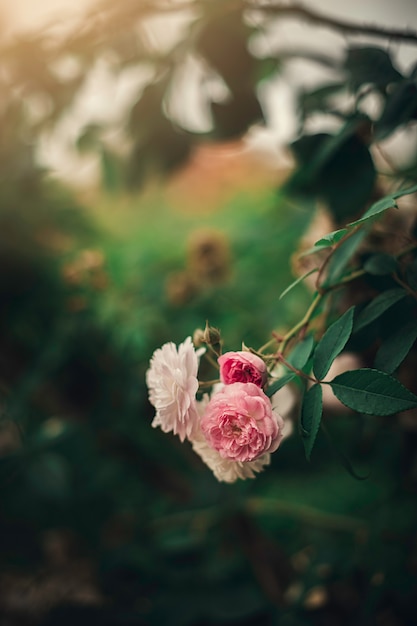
368, 390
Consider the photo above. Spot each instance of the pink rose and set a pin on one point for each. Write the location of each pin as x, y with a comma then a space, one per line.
227, 470
242, 367
239, 423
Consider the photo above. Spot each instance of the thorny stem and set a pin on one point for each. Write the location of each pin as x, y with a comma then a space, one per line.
269, 343
300, 373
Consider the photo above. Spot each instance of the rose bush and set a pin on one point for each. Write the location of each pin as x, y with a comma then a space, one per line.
234, 430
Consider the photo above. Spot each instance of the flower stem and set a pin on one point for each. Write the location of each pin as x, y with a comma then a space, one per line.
303, 322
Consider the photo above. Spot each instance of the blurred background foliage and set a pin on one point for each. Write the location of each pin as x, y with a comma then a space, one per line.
102, 519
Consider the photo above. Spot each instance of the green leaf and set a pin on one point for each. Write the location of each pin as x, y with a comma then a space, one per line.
342, 255
331, 239
296, 282
378, 306
279, 383
311, 413
328, 241
372, 392
393, 350
380, 264
378, 207
388, 202
301, 353
332, 343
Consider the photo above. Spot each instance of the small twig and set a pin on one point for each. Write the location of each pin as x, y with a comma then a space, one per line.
299, 373
404, 285
211, 360
305, 514
344, 26
208, 383
305, 320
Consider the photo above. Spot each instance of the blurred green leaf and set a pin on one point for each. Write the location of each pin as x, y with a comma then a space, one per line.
411, 273
297, 282
329, 163
400, 109
378, 306
380, 264
370, 65
395, 348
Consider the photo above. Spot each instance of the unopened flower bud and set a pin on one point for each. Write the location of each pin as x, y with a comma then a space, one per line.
211, 335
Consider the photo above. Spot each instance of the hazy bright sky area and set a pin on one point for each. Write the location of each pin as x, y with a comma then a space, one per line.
102, 99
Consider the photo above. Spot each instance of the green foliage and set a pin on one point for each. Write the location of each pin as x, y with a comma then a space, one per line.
380, 264
395, 347
372, 392
331, 239
332, 343
311, 417
300, 355
400, 108
385, 203
378, 306
343, 255
297, 281
279, 384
